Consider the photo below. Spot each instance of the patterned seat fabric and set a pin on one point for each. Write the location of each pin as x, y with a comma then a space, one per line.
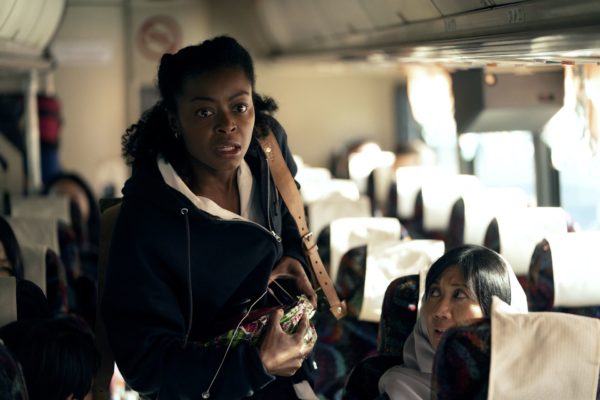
398, 316
342, 344
540, 288
462, 363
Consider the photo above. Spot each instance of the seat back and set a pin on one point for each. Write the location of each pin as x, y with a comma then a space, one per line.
398, 317
515, 234
34, 261
564, 274
462, 363
398, 314
36, 230
57, 207
101, 385
472, 213
388, 261
346, 233
8, 300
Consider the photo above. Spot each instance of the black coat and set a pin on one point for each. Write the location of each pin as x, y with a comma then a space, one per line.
152, 287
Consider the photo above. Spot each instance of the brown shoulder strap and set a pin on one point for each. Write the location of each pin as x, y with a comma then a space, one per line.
291, 196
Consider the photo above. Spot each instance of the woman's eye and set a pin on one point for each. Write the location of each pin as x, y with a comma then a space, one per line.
434, 292
460, 294
204, 113
241, 108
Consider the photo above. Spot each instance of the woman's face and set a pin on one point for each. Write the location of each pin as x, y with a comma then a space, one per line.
216, 119
5, 266
449, 302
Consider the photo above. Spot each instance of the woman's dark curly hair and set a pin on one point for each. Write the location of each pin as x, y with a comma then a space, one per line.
152, 134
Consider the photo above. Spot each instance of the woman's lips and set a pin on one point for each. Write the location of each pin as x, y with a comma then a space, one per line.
229, 150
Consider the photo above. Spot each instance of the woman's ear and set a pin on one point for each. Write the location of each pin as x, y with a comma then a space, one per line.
174, 124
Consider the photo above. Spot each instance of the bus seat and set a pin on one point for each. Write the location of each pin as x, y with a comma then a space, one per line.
323, 211
101, 386
398, 317
41, 207
515, 233
36, 230
57, 286
346, 233
8, 300
472, 213
12, 381
439, 194
564, 274
535, 355
387, 261
408, 183
34, 260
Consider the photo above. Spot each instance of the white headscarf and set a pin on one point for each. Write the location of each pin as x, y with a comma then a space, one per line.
412, 380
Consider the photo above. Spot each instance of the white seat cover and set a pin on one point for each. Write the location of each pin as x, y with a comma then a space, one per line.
37, 231
521, 229
323, 211
41, 207
8, 300
576, 268
409, 180
388, 261
34, 260
440, 194
543, 355
481, 206
347, 233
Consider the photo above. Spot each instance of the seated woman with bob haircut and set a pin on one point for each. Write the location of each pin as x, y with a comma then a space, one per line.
458, 288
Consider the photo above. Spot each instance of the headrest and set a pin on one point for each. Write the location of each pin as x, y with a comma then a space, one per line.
439, 196
543, 355
409, 181
361, 165
388, 261
34, 260
323, 211
575, 268
521, 229
8, 300
347, 233
37, 231
481, 206
41, 207
312, 181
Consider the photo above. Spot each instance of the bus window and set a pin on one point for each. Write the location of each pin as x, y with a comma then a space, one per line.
580, 191
502, 159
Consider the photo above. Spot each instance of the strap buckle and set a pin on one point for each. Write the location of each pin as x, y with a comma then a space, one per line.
306, 238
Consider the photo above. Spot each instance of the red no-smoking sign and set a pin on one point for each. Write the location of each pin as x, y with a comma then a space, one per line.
157, 35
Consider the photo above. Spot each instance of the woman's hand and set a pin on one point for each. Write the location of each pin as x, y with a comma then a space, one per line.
282, 353
291, 266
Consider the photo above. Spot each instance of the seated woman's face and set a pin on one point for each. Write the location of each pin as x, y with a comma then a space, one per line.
449, 302
5, 266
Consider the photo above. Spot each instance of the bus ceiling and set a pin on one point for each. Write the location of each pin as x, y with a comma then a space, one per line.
467, 33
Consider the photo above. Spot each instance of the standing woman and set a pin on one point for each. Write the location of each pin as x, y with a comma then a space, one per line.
201, 231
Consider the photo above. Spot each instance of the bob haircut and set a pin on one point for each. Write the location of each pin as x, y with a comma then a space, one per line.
484, 270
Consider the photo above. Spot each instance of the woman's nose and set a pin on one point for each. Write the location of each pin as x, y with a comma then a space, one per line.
442, 309
226, 124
